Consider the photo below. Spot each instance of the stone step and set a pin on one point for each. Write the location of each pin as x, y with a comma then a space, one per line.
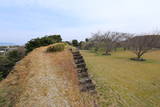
88, 87
78, 61
77, 52
82, 70
85, 81
78, 57
83, 75
83, 89
81, 65
93, 92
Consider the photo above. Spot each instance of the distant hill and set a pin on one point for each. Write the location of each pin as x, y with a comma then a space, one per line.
6, 44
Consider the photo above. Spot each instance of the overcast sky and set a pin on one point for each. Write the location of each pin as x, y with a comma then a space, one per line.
21, 20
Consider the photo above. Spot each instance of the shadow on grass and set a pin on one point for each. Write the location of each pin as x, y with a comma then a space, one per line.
151, 61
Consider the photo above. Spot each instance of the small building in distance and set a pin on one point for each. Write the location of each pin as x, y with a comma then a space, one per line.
5, 49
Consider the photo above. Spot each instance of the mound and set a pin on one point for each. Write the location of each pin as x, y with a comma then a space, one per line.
43, 79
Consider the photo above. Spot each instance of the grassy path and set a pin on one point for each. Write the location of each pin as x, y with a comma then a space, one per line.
44, 86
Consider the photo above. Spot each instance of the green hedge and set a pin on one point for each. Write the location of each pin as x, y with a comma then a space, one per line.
56, 47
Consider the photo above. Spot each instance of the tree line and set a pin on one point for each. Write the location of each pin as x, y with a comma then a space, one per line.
110, 41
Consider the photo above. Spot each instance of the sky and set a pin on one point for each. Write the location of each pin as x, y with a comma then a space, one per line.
22, 20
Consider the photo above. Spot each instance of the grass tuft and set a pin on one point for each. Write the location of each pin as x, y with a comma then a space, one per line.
56, 47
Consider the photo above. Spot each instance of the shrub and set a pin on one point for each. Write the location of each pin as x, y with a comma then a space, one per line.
65, 43
5, 67
14, 56
7, 62
75, 43
68, 42
44, 41
56, 47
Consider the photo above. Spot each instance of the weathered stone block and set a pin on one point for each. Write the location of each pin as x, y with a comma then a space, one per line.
77, 52
78, 61
90, 86
77, 57
83, 74
82, 70
85, 80
81, 65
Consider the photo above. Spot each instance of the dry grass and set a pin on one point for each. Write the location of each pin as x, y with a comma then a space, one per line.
57, 47
43, 79
125, 83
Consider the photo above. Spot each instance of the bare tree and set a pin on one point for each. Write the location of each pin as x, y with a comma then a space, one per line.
107, 40
143, 44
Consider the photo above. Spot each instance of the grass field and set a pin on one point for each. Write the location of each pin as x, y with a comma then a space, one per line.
125, 83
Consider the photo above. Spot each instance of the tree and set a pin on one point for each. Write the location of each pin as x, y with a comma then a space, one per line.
75, 43
87, 45
86, 39
5, 67
107, 41
15, 55
81, 43
68, 42
55, 38
125, 41
143, 44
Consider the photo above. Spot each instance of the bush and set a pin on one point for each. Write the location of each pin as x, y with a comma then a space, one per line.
7, 62
5, 67
75, 43
56, 47
44, 41
68, 43
14, 56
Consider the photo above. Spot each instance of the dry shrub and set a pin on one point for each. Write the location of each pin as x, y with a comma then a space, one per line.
56, 47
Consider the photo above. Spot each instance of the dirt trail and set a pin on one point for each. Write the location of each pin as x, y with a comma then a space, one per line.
50, 82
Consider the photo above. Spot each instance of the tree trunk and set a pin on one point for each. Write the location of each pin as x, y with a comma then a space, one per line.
139, 57
107, 53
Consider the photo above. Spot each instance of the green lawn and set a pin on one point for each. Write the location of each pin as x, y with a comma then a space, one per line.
125, 83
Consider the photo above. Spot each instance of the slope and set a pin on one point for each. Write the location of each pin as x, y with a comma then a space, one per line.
43, 79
